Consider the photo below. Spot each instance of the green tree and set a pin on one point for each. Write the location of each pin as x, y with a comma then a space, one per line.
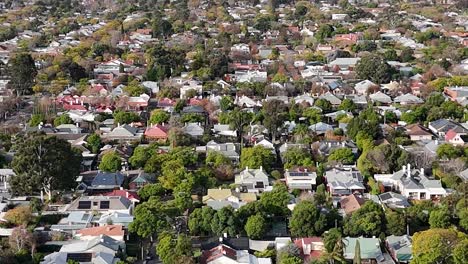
439, 218
324, 31
44, 163
62, 120
434, 246
150, 190
297, 157
134, 89
366, 221
275, 202
111, 162
347, 105
225, 221
275, 113
407, 55
36, 119
21, 215
159, 116
172, 250
199, 222
22, 71
256, 157
448, 151
374, 68
460, 252
122, 117
395, 223
342, 155
323, 104
314, 115
256, 226
307, 220
149, 218
226, 103
94, 142
330, 239
390, 55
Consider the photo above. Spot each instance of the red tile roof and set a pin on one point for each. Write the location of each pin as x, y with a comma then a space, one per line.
108, 230
157, 132
217, 252
124, 193
351, 203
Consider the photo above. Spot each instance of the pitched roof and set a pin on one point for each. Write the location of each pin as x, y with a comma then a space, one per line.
351, 203
108, 230
157, 131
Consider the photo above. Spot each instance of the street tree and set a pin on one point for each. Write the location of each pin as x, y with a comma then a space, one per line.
435, 245
111, 162
256, 157
22, 71
256, 226
44, 163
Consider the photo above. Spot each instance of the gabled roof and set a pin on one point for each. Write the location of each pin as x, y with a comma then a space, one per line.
108, 179
351, 203
108, 230
370, 248
417, 130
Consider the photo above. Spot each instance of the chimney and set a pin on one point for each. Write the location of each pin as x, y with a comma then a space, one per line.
409, 170
108, 228
404, 169
422, 171
261, 168
225, 235
436, 142
305, 170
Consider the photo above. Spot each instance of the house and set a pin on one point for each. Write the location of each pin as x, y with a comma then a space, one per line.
457, 136
369, 248
245, 101
252, 180
311, 248
400, 248
224, 254
115, 218
194, 129
456, 93
141, 179
104, 204
320, 128
266, 144
344, 64
417, 132
300, 179
380, 97
102, 249
394, 200
157, 132
344, 182
229, 149
76, 220
464, 175
304, 98
413, 184
106, 181
331, 98
442, 126
408, 99
351, 203
132, 196
362, 87
219, 198
224, 130
113, 231
326, 147
124, 133
188, 86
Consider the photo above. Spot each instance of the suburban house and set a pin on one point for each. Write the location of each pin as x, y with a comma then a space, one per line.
102, 249
442, 126
300, 179
114, 231
229, 150
344, 182
225, 254
408, 99
400, 248
344, 64
413, 184
103, 182
219, 198
457, 136
252, 180
193, 129
157, 132
394, 200
351, 203
74, 221
363, 86
417, 132
369, 248
115, 218
103, 204
124, 133
311, 247
141, 179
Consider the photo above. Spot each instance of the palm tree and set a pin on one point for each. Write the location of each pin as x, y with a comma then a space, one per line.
300, 131
336, 256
